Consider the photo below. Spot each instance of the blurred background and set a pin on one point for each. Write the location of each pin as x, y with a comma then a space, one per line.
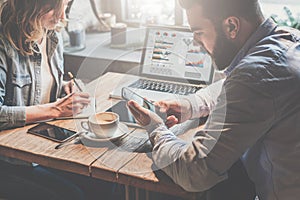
91, 39
167, 12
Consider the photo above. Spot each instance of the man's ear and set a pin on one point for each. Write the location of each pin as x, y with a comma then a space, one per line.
231, 27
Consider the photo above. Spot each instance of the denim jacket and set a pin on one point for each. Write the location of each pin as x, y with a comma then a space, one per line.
20, 79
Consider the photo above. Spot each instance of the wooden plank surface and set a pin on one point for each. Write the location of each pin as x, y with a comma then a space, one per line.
141, 171
127, 161
135, 167
100, 89
17, 143
124, 151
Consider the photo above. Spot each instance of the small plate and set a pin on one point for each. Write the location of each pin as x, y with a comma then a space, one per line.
91, 137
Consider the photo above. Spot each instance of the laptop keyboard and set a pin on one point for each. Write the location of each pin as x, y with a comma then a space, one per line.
173, 88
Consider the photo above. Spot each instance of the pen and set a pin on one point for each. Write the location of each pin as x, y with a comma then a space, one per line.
73, 78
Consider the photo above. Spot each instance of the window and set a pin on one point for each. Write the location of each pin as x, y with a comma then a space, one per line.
150, 12
167, 12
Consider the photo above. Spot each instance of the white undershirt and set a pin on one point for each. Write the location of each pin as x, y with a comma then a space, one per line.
47, 79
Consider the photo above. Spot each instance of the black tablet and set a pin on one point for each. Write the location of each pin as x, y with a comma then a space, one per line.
125, 116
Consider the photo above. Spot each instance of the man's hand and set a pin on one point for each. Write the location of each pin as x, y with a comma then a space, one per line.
177, 111
146, 118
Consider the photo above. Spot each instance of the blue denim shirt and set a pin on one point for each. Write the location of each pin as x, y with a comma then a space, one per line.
256, 118
20, 79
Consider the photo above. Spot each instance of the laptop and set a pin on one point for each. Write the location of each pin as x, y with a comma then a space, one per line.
172, 65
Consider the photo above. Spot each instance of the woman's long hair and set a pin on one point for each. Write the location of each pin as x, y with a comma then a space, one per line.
21, 21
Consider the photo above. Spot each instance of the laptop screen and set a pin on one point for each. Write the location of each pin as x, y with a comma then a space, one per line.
171, 54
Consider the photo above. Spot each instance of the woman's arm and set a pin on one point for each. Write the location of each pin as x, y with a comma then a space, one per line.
71, 104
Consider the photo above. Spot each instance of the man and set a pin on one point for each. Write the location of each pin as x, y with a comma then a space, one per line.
256, 116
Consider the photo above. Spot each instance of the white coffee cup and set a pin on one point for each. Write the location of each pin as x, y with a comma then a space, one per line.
102, 124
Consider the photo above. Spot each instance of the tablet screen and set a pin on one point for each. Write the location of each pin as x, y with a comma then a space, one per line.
123, 112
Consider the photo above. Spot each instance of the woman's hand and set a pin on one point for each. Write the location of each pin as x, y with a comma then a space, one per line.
67, 106
71, 104
69, 87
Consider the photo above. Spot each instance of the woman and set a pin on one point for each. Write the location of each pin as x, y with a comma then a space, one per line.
31, 72
31, 64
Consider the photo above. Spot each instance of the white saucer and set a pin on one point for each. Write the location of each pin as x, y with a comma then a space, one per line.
91, 137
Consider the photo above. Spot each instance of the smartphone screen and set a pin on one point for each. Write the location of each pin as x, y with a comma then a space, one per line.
128, 94
52, 132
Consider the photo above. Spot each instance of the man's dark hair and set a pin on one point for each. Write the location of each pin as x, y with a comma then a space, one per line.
221, 9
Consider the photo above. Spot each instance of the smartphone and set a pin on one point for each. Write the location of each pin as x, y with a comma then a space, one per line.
52, 132
128, 94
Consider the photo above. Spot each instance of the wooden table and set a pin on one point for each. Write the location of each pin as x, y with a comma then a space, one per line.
127, 161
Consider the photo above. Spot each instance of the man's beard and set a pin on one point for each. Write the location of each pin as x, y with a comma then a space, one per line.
224, 51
